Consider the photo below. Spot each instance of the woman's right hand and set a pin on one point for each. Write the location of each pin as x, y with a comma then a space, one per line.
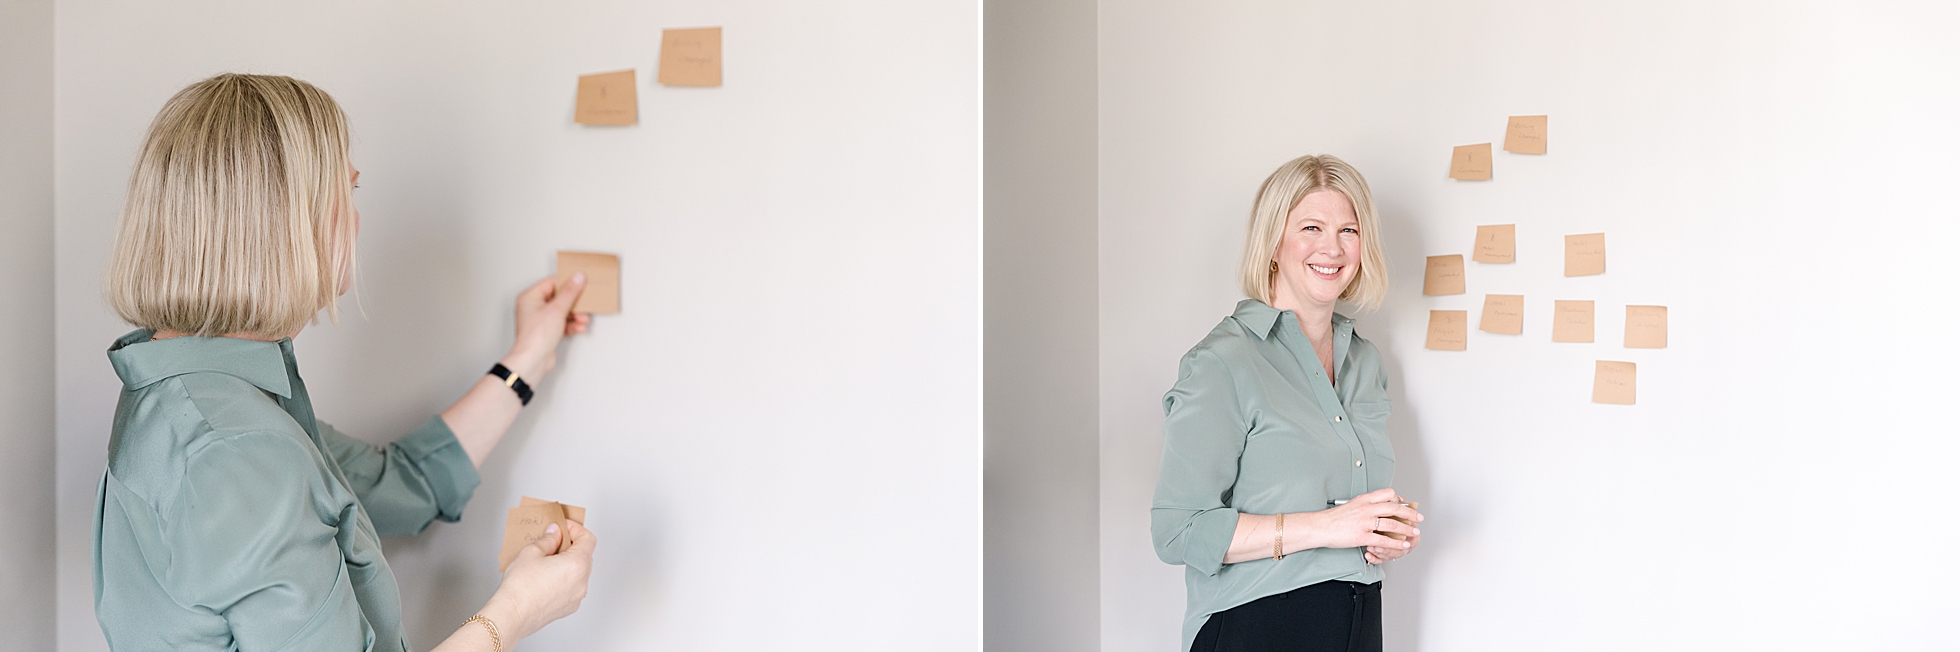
541, 587
1355, 524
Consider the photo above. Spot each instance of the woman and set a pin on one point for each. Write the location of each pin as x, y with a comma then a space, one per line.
1273, 491
229, 518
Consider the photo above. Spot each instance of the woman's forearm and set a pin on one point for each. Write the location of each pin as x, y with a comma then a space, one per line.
1253, 538
481, 417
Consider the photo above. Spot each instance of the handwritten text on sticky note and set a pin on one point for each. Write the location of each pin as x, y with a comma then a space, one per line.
1613, 382
1496, 243
1449, 330
1585, 255
690, 57
1525, 134
607, 99
1443, 275
1470, 162
1503, 314
1572, 321
1646, 327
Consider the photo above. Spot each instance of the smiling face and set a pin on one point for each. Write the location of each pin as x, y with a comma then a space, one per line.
1319, 252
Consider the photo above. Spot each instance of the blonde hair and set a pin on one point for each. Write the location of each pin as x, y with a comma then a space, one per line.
1277, 197
239, 216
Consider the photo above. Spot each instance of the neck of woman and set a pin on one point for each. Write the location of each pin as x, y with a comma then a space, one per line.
1316, 319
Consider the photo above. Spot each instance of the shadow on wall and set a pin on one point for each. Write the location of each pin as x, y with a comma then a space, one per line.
1403, 590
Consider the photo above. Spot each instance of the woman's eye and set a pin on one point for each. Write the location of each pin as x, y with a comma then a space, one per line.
1347, 230
1309, 227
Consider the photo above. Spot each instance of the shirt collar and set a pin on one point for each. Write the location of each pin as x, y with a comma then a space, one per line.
141, 361
1261, 319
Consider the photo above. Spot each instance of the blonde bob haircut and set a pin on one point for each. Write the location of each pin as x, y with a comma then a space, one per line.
1277, 197
238, 218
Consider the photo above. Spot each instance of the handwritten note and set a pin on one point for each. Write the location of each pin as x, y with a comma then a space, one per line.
1449, 330
607, 99
1471, 162
1585, 255
1503, 314
601, 294
1497, 243
526, 522
1646, 327
1443, 275
690, 57
1613, 382
1572, 321
1525, 134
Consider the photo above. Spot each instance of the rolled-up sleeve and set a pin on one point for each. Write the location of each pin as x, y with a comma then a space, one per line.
254, 542
409, 483
1204, 434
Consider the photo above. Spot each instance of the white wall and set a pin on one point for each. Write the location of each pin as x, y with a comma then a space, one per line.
778, 438
1041, 444
26, 324
1778, 174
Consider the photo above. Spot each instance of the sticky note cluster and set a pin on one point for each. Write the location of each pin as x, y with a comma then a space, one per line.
688, 57
1523, 134
1572, 320
526, 524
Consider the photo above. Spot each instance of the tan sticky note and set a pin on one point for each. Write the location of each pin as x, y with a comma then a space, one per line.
1470, 162
1443, 275
690, 57
1497, 243
601, 295
1503, 314
1646, 327
1613, 382
1572, 321
524, 526
607, 99
1449, 330
1525, 134
526, 523
1585, 255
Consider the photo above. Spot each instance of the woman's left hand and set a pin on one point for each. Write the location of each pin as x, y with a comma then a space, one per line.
544, 317
1379, 554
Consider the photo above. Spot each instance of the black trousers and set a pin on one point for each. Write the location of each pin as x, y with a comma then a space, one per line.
1331, 616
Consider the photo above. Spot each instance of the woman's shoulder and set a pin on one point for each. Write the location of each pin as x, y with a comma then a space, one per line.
162, 429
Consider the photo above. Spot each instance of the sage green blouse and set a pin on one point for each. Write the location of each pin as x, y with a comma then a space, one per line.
1253, 426
230, 519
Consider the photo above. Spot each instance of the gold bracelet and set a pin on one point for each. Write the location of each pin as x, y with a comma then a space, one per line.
497, 642
1279, 537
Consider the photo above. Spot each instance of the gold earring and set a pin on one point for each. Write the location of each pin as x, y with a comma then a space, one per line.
1275, 267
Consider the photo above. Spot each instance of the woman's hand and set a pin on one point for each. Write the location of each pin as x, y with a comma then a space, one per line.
541, 587
1358, 523
544, 316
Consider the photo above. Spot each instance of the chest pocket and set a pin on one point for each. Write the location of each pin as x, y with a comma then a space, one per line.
1371, 422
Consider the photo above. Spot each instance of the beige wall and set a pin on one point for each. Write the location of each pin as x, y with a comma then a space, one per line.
1778, 174
777, 439
27, 541
1041, 569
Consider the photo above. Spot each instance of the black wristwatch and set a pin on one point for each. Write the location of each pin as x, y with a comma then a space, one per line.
511, 380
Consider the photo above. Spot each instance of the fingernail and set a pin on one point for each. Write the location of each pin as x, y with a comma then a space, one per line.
551, 529
578, 278
1418, 531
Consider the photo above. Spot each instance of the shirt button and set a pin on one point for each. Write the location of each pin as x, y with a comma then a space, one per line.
1357, 462
1337, 418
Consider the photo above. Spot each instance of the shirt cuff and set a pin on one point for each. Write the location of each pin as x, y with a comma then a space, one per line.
434, 449
1210, 538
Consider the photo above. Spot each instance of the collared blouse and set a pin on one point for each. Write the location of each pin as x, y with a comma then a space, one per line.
1253, 426
230, 519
